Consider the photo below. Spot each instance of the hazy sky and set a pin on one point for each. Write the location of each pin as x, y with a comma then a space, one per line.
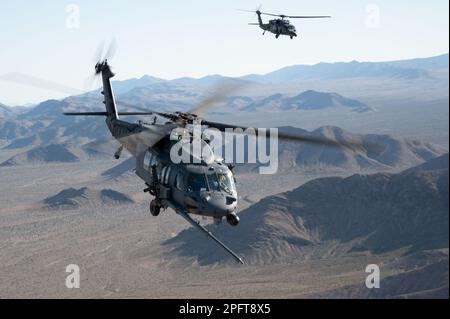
175, 38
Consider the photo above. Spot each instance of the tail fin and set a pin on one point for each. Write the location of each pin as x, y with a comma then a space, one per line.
110, 103
259, 17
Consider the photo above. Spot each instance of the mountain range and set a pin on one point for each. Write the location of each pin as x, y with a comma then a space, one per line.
334, 216
4, 110
160, 89
72, 198
379, 152
402, 69
305, 101
406, 70
44, 125
55, 153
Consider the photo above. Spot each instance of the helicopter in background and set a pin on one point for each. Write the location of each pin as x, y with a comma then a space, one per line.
280, 26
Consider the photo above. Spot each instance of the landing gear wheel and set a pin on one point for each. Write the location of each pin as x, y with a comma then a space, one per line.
233, 219
276, 37
292, 37
155, 207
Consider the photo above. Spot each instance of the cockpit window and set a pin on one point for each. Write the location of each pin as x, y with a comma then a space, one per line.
197, 182
212, 182
226, 181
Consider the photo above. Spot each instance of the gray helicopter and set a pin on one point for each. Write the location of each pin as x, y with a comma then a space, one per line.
280, 26
203, 188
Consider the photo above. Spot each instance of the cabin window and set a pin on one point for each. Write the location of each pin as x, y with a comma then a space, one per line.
147, 160
162, 173
179, 182
154, 161
166, 178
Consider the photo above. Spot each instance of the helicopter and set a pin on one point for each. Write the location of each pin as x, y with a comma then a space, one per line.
280, 26
206, 188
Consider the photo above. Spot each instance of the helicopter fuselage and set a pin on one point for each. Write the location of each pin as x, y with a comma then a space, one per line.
279, 27
205, 188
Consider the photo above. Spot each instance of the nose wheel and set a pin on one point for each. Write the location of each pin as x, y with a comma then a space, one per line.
233, 219
155, 207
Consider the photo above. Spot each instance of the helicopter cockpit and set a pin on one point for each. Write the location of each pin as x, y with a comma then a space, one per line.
211, 181
210, 189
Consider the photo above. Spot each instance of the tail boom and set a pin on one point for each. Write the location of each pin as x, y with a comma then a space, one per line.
110, 103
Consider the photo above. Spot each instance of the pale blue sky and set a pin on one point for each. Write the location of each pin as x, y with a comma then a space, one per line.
175, 38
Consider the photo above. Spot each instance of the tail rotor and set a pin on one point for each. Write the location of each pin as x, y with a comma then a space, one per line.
257, 15
100, 59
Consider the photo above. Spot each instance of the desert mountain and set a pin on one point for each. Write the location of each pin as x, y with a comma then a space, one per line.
406, 70
4, 110
306, 101
11, 129
54, 153
433, 63
424, 275
379, 152
44, 124
337, 216
74, 198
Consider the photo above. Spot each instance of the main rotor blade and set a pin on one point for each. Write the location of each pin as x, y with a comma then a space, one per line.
105, 114
212, 100
288, 137
36, 82
98, 55
111, 51
294, 17
246, 10
145, 111
272, 14
307, 17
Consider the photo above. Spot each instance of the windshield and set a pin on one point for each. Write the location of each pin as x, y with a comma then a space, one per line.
212, 182
197, 182
226, 181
